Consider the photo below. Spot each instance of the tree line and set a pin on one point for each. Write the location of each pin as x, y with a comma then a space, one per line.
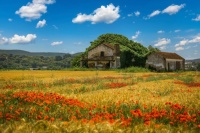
23, 62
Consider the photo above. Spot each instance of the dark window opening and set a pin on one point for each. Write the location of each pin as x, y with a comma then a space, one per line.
102, 54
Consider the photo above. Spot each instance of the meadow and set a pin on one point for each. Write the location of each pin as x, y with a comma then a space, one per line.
99, 101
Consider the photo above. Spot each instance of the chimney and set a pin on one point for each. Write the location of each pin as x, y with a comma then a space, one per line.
116, 50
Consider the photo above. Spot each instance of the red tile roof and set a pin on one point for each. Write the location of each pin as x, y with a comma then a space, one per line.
168, 55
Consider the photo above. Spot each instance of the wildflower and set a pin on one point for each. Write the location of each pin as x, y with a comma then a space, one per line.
147, 122
52, 119
46, 117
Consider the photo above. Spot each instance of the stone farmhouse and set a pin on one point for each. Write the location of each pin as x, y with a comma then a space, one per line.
164, 61
102, 56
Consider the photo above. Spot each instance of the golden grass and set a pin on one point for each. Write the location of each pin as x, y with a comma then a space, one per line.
146, 89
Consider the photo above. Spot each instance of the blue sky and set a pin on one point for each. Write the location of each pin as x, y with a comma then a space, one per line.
69, 26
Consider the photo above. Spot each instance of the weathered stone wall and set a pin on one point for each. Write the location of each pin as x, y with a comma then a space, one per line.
156, 61
159, 63
97, 51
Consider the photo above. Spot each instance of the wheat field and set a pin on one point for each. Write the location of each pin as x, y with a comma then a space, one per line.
99, 101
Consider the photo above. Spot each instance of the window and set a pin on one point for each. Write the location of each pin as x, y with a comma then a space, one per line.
102, 54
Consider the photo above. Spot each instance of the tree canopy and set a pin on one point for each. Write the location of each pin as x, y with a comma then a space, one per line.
132, 53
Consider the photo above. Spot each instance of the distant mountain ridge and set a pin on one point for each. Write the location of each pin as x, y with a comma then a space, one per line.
26, 53
194, 60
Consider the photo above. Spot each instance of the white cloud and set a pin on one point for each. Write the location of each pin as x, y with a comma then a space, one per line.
162, 47
10, 19
173, 9
41, 24
162, 42
179, 48
56, 43
182, 43
44, 1
34, 10
137, 13
160, 32
196, 39
154, 13
197, 18
104, 14
17, 39
3, 40
136, 35
130, 15
177, 31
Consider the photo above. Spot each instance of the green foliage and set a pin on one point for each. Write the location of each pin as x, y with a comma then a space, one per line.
198, 66
152, 49
132, 53
37, 62
76, 61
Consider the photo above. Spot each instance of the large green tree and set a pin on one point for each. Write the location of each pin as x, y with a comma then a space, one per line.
131, 53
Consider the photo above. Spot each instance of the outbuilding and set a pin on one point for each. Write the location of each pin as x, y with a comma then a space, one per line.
165, 61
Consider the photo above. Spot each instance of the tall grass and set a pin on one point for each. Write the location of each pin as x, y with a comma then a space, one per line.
98, 101
134, 69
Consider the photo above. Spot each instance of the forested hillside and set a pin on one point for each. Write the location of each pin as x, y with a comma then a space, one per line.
24, 62
26, 53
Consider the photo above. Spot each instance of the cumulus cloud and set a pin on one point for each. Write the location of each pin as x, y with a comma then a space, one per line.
130, 15
182, 43
41, 24
160, 32
44, 1
17, 39
57, 43
137, 13
173, 9
162, 42
10, 19
197, 18
136, 35
34, 10
154, 13
177, 31
162, 47
180, 46
107, 14
196, 39
3, 40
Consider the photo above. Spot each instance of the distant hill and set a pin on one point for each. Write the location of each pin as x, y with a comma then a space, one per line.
194, 60
26, 53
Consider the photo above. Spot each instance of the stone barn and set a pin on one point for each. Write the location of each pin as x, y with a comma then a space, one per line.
103, 56
164, 61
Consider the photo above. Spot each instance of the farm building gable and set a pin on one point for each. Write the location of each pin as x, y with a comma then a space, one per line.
165, 61
103, 56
